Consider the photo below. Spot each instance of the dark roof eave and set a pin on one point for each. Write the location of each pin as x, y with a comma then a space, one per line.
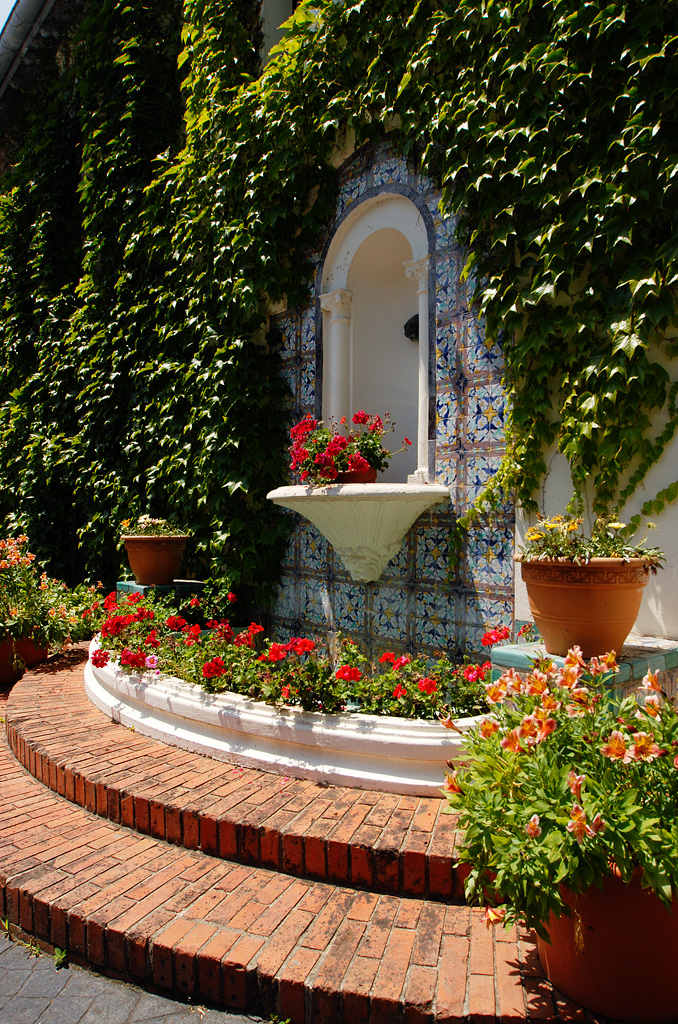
23, 24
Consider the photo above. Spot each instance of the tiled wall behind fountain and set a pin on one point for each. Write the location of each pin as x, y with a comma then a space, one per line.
418, 603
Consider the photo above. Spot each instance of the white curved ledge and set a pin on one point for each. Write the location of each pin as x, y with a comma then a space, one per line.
364, 523
396, 755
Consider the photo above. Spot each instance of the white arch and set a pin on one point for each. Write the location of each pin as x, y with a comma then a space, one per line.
387, 211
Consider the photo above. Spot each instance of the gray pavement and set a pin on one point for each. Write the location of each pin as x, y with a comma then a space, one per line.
33, 991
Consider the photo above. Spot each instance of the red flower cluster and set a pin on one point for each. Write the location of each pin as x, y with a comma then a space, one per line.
100, 658
495, 636
176, 622
395, 661
133, 659
213, 668
223, 627
477, 673
427, 685
247, 639
349, 673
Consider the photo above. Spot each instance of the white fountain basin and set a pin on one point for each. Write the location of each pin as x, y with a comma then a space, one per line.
364, 523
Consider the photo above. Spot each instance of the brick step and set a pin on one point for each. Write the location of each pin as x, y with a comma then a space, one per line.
401, 845
248, 938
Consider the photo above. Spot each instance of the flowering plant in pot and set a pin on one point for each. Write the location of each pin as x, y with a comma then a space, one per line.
322, 454
36, 612
569, 804
585, 589
155, 548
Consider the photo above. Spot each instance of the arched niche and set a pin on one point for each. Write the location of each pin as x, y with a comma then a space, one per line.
375, 278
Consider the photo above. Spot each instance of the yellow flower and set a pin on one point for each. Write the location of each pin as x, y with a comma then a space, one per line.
616, 526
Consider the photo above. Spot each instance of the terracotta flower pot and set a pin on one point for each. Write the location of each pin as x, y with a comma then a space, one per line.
155, 560
27, 650
617, 955
593, 605
354, 476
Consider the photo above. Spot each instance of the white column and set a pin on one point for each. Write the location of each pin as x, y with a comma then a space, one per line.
418, 269
337, 354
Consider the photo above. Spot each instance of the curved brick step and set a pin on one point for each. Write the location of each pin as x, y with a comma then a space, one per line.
247, 938
401, 845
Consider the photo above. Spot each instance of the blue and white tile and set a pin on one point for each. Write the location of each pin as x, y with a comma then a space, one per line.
486, 413
482, 355
289, 559
475, 473
349, 607
448, 426
390, 168
307, 385
290, 374
388, 616
445, 228
447, 352
350, 190
433, 552
488, 557
448, 271
287, 325
308, 333
312, 548
314, 602
485, 610
434, 623
287, 602
399, 566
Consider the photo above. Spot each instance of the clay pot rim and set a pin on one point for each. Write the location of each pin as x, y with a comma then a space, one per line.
165, 536
598, 560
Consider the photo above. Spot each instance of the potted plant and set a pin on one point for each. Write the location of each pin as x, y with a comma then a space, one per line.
155, 548
585, 590
569, 809
36, 612
324, 455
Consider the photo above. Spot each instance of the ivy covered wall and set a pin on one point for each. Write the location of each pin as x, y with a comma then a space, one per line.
165, 197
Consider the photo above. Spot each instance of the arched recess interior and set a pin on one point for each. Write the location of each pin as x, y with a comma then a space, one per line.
376, 277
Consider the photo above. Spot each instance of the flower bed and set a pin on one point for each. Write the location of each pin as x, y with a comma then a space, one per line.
288, 707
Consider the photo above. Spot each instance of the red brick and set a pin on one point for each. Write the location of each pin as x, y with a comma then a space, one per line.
269, 847
234, 973
190, 828
356, 987
209, 839
510, 996
482, 947
156, 819
452, 980
388, 984
419, 994
361, 870
161, 952
315, 857
209, 964
291, 988
481, 998
184, 957
142, 815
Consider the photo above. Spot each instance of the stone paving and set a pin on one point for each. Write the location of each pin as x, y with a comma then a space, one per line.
33, 991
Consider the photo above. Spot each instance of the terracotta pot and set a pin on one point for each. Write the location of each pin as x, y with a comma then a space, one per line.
155, 560
593, 605
617, 955
366, 476
28, 651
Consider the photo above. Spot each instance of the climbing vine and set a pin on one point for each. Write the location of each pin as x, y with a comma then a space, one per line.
167, 194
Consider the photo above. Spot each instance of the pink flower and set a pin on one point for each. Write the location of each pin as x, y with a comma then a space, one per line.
644, 747
151, 661
651, 682
575, 782
400, 662
532, 828
451, 784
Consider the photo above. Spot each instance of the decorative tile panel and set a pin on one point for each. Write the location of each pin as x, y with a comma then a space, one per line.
433, 552
312, 548
389, 613
390, 168
349, 605
485, 414
308, 333
489, 555
448, 427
